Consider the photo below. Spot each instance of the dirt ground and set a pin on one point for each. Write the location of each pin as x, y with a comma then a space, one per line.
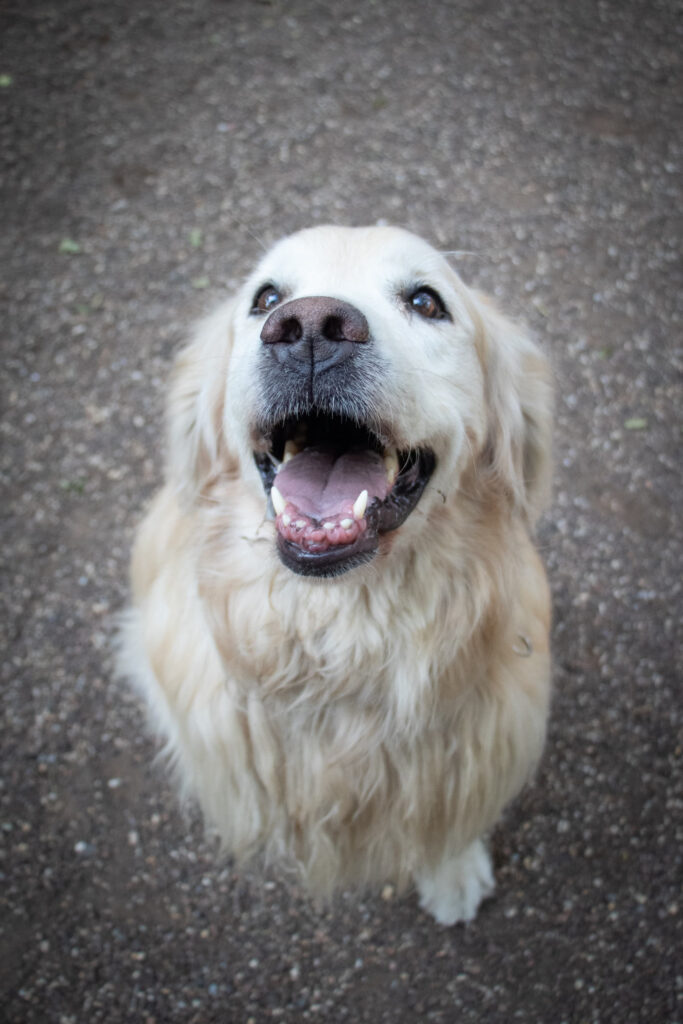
149, 150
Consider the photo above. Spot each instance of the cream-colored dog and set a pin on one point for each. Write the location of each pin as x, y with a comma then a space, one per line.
340, 622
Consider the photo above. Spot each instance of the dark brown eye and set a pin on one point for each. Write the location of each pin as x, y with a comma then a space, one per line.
266, 299
428, 304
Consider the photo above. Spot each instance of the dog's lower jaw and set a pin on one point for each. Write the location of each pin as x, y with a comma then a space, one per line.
454, 889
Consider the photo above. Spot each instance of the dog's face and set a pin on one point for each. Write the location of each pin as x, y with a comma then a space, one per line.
362, 376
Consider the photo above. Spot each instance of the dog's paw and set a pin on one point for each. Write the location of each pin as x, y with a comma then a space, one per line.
454, 890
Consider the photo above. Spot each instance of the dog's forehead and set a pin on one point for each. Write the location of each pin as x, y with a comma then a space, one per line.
320, 255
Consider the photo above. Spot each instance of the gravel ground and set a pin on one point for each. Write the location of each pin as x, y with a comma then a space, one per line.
149, 150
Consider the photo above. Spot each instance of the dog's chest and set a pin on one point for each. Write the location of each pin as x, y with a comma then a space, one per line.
320, 649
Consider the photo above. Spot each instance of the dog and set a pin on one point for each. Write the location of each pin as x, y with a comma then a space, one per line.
340, 622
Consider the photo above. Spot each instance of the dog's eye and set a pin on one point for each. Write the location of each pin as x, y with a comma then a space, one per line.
428, 304
266, 299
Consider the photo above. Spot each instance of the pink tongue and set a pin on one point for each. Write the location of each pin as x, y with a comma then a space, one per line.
320, 483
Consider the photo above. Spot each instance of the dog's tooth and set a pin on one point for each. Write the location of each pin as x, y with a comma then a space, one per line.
329, 526
346, 524
360, 505
277, 500
300, 523
391, 464
286, 520
291, 449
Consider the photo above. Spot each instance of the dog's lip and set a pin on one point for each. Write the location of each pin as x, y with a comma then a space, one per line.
333, 562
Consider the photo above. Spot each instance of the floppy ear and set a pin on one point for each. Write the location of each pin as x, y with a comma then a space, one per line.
196, 443
518, 449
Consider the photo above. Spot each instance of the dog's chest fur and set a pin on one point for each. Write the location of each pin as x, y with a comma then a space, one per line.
343, 728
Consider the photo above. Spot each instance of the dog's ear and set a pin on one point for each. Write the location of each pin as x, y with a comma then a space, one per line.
518, 448
197, 449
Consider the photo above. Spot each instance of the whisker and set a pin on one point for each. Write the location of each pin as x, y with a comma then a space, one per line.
245, 227
466, 252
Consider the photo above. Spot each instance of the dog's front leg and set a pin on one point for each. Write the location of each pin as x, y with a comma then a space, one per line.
453, 890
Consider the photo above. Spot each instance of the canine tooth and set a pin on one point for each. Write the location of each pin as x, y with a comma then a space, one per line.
346, 524
360, 505
291, 449
277, 500
391, 464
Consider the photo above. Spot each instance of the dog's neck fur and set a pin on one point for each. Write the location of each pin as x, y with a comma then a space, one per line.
388, 613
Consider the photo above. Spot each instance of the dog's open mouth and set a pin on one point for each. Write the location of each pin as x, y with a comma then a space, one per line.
335, 486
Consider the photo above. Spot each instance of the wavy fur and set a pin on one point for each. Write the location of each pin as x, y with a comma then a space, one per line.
370, 727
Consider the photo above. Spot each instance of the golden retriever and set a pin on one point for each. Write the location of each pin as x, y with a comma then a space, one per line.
340, 622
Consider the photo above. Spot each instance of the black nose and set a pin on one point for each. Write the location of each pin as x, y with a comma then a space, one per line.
317, 331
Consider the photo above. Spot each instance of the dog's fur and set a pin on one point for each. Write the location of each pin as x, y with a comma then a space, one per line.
369, 727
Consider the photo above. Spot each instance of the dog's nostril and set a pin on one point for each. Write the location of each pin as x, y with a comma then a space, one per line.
290, 330
333, 328
349, 324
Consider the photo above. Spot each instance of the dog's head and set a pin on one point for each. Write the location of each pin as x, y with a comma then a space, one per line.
353, 379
